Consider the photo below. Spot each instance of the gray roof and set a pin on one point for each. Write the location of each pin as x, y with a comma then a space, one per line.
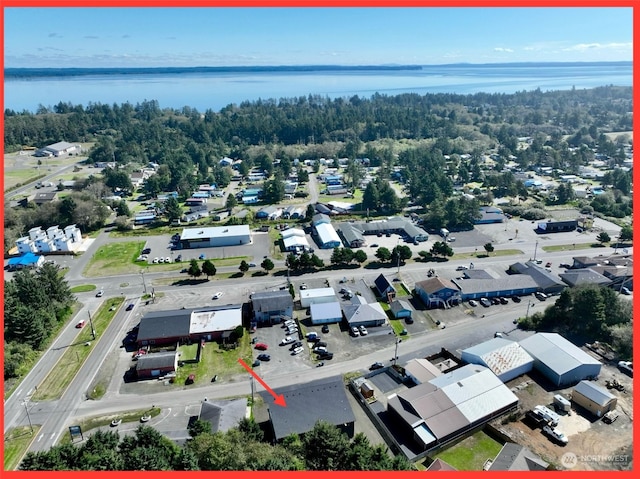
350, 233
435, 284
271, 301
362, 312
320, 311
321, 400
477, 274
514, 457
510, 283
543, 278
165, 324
556, 352
156, 360
583, 276
223, 414
594, 392
320, 218
398, 305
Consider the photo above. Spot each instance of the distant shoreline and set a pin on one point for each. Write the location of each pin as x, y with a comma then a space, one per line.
67, 72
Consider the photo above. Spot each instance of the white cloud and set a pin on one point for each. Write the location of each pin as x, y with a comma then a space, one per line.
501, 49
582, 47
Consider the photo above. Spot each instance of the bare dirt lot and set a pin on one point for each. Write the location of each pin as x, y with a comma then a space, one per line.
596, 445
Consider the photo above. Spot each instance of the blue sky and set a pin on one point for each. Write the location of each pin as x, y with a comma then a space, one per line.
130, 37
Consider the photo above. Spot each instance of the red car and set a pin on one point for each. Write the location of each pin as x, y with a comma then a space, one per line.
261, 346
80, 324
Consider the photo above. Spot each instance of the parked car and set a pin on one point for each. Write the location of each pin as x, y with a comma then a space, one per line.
319, 349
252, 265
303, 286
130, 307
541, 296
312, 335
325, 328
404, 332
178, 258
256, 363
146, 251
145, 418
80, 324
555, 435
156, 260
264, 357
287, 340
516, 299
295, 345
202, 256
485, 302
161, 260
565, 265
473, 302
548, 264
503, 300
495, 301
624, 290
363, 330
218, 295
116, 422
355, 331
167, 259
626, 367
375, 366
297, 350
100, 293
461, 268
325, 355
261, 346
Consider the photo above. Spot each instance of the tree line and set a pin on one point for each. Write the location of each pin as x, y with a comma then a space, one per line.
324, 448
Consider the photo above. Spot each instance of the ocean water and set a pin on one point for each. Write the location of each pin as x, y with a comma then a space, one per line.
215, 90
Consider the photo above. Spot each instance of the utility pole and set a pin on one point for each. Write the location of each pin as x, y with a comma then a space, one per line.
144, 284
93, 331
395, 354
535, 251
398, 255
25, 401
528, 306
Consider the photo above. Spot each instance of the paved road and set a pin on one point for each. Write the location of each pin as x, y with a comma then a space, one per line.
55, 416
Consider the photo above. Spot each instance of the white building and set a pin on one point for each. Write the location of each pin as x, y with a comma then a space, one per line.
317, 296
505, 358
327, 236
54, 239
215, 236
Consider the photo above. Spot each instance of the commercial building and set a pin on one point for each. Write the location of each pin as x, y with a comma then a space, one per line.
560, 361
489, 214
594, 398
448, 406
322, 400
155, 365
506, 359
27, 260
325, 313
215, 236
270, 306
317, 296
326, 236
295, 239
57, 149
361, 313
438, 292
557, 226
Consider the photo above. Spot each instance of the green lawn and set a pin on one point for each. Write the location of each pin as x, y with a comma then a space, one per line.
71, 361
114, 259
471, 453
484, 254
16, 442
83, 288
570, 247
213, 360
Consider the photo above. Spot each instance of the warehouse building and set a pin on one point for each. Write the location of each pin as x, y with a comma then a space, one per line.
327, 236
450, 405
325, 313
295, 239
505, 358
559, 360
594, 398
317, 296
215, 236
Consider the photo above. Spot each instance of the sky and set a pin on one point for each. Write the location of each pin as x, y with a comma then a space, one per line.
154, 37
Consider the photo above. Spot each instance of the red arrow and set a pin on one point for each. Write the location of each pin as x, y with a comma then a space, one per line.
278, 399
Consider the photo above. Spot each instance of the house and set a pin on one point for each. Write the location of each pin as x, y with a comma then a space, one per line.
488, 215
384, 288
559, 360
440, 465
156, 365
400, 309
325, 313
514, 457
270, 306
359, 313
45, 197
226, 161
321, 400
436, 292
27, 260
223, 414
269, 212
594, 398
144, 217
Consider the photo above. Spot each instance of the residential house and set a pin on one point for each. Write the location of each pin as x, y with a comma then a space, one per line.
360, 313
401, 308
155, 365
384, 288
223, 414
437, 292
45, 197
514, 457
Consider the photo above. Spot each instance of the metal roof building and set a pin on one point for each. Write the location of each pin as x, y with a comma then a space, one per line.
450, 405
323, 313
505, 358
327, 236
594, 398
215, 236
559, 360
317, 296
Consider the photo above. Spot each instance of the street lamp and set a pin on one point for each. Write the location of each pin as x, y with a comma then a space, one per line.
25, 402
535, 251
395, 354
93, 331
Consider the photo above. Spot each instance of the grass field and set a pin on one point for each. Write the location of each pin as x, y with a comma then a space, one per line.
16, 442
114, 259
71, 361
471, 453
484, 254
570, 247
213, 360
83, 288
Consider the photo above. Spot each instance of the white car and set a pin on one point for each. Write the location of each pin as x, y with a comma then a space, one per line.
160, 260
218, 295
100, 293
155, 260
473, 302
355, 331
167, 260
298, 350
287, 340
363, 331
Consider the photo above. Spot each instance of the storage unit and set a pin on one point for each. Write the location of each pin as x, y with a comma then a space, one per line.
561, 403
317, 296
594, 398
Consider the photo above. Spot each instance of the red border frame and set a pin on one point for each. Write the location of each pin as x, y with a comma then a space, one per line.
312, 3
